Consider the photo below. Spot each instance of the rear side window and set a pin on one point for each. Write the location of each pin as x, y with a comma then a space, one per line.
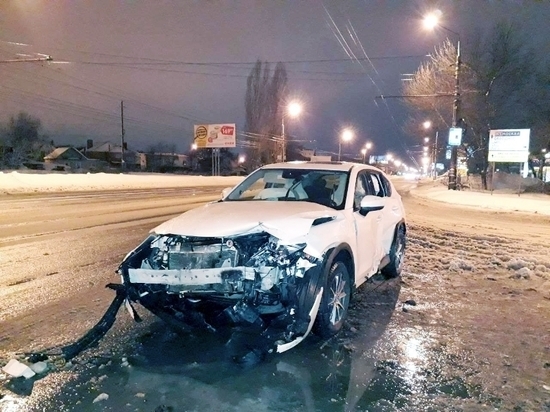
387, 185
376, 187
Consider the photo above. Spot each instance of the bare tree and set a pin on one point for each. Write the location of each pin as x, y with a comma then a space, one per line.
265, 96
540, 111
497, 76
22, 140
432, 87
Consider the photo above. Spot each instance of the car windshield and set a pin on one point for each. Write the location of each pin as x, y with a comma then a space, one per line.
325, 187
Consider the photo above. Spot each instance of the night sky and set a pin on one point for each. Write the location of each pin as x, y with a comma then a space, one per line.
178, 63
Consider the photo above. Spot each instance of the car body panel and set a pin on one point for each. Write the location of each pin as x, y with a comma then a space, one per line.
228, 218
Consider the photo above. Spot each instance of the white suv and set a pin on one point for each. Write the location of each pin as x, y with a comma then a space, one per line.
279, 255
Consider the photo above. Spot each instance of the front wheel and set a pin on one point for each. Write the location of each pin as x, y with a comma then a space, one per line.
397, 254
335, 302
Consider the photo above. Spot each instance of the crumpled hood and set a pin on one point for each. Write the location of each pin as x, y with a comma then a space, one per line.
284, 220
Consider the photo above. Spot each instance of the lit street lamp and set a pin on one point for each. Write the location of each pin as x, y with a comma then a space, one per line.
431, 21
293, 110
368, 146
347, 135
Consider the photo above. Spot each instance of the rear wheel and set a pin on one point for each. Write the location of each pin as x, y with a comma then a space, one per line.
397, 254
335, 302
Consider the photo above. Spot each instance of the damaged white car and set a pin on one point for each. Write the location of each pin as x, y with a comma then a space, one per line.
279, 255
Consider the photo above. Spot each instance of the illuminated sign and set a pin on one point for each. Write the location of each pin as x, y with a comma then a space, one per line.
215, 135
509, 145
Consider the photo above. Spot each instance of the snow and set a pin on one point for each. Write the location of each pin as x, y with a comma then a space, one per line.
14, 182
18, 369
498, 200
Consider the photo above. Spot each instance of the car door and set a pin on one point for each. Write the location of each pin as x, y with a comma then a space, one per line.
392, 213
368, 232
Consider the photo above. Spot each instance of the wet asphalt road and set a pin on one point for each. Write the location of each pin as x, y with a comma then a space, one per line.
58, 251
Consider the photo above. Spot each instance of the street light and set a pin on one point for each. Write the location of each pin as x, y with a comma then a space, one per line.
293, 109
431, 21
347, 135
368, 146
365, 150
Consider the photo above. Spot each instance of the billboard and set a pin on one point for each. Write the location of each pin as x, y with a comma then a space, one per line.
384, 160
509, 145
215, 135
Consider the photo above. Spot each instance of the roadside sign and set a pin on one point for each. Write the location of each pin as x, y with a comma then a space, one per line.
509, 145
455, 136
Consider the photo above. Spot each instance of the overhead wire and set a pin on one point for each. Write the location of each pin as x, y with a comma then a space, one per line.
112, 116
147, 63
110, 94
79, 109
353, 35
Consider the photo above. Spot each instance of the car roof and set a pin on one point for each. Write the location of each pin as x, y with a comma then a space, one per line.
337, 166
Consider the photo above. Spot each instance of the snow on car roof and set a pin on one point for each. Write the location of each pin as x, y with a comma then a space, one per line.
338, 166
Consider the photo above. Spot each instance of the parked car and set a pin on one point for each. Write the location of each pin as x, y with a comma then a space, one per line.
279, 255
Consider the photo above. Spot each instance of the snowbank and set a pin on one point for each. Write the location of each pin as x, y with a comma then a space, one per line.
17, 182
526, 202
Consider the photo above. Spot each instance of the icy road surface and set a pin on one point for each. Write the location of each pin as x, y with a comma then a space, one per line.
466, 328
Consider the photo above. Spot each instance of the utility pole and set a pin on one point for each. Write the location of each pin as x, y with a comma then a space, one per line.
122, 135
456, 109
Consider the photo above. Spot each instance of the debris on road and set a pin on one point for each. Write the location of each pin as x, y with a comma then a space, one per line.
101, 397
18, 369
39, 367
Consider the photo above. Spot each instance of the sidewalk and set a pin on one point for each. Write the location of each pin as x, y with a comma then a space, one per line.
498, 200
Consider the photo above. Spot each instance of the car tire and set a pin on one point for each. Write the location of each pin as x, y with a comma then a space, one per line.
397, 254
335, 301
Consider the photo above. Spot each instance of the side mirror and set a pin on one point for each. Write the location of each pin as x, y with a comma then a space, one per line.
226, 191
371, 203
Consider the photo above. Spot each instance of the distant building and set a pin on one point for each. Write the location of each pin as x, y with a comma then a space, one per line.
164, 162
112, 153
68, 157
307, 153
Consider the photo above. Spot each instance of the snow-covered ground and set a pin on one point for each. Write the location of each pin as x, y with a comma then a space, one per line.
17, 182
498, 200
479, 283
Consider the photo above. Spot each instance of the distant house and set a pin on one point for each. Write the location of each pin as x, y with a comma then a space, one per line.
164, 162
112, 153
68, 157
